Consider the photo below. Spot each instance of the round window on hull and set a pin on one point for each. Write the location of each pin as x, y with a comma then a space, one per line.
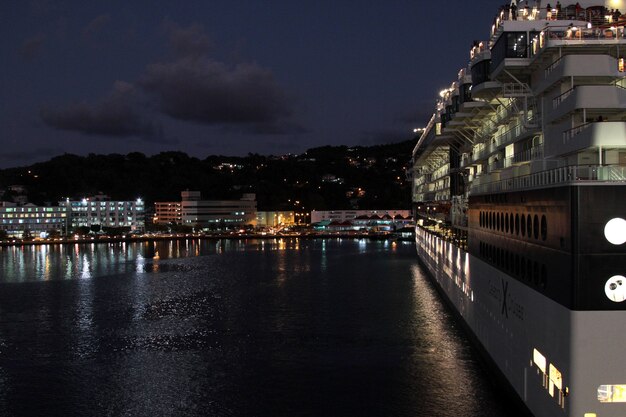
615, 288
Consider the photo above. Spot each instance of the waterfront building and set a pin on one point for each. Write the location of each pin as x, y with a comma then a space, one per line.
343, 215
361, 220
519, 183
29, 219
217, 213
101, 211
168, 212
275, 218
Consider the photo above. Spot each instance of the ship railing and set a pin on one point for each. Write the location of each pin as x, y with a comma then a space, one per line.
556, 102
422, 180
553, 66
575, 35
505, 138
533, 153
510, 90
577, 174
498, 164
440, 172
570, 133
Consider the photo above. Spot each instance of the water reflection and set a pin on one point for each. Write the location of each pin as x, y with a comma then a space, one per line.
86, 261
253, 327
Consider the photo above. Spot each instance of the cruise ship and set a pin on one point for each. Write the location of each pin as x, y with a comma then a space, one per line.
519, 192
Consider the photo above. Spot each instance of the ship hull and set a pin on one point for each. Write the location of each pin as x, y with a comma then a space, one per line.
555, 359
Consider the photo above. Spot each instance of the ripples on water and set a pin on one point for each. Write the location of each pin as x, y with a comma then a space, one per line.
231, 328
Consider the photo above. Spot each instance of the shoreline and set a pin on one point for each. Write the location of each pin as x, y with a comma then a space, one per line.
101, 240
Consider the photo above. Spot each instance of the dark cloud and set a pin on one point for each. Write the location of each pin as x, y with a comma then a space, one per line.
116, 116
43, 6
31, 154
245, 96
187, 42
96, 25
31, 47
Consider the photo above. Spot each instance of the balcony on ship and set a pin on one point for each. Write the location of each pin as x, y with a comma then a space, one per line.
499, 141
591, 135
568, 175
596, 98
577, 36
601, 68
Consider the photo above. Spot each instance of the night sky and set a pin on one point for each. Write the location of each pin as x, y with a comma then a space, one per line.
224, 77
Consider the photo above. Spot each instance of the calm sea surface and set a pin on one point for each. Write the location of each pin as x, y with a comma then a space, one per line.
232, 328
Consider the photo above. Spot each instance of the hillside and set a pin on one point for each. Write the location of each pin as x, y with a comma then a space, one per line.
330, 177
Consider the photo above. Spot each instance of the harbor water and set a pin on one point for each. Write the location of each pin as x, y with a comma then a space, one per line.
282, 327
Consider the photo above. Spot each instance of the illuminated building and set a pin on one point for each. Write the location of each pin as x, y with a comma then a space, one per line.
275, 218
217, 213
100, 211
168, 212
35, 220
343, 215
519, 191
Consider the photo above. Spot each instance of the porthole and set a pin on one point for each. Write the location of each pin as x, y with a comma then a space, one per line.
501, 222
523, 227
517, 224
497, 222
529, 226
544, 227
615, 288
506, 223
480, 219
536, 226
511, 221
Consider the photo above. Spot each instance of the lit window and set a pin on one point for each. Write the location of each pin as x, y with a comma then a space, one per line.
612, 393
556, 380
539, 360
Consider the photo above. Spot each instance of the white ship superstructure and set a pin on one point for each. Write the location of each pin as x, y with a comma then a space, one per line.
520, 195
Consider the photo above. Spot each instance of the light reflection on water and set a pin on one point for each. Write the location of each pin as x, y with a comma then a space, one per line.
84, 261
248, 328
